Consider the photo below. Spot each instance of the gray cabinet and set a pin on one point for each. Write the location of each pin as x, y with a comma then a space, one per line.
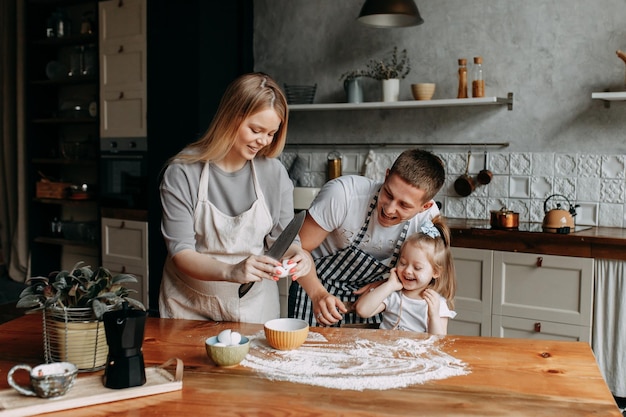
473, 293
510, 294
542, 296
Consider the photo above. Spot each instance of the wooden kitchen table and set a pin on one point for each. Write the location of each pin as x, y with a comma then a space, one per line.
508, 377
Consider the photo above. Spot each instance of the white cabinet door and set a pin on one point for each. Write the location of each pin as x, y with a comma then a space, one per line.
123, 114
123, 61
140, 288
473, 294
124, 241
125, 249
122, 21
543, 287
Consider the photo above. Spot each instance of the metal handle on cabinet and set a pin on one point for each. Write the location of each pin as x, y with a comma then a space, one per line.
537, 327
122, 225
539, 262
120, 3
120, 49
123, 269
121, 95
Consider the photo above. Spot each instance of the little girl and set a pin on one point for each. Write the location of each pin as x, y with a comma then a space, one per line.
418, 295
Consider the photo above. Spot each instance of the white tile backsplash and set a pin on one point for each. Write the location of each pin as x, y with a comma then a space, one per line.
521, 182
613, 166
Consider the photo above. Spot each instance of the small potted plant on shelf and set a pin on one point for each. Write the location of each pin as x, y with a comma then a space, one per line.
390, 71
73, 304
396, 66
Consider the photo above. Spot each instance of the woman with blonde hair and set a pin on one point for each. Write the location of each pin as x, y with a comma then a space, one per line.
225, 200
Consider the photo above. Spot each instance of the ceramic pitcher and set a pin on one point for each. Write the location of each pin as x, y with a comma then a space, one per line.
354, 90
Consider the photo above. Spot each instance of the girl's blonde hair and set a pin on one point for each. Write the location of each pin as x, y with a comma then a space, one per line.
439, 255
245, 96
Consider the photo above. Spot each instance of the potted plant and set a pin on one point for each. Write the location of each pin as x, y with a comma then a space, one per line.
73, 303
390, 71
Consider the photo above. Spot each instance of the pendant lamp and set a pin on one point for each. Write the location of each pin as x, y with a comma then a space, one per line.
390, 13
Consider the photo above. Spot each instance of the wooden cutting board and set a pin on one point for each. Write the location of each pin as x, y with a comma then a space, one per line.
89, 390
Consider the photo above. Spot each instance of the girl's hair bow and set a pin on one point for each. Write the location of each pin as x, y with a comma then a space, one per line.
428, 228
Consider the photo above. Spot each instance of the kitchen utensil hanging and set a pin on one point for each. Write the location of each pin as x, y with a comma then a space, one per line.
485, 175
464, 185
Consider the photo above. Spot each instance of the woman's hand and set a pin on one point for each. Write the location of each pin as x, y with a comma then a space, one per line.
254, 268
300, 262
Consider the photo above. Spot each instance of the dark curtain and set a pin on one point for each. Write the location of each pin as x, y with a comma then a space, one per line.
13, 210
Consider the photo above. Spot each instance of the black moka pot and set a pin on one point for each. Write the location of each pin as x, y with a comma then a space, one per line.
124, 332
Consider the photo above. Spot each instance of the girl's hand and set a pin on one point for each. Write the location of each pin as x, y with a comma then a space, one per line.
394, 280
436, 324
432, 300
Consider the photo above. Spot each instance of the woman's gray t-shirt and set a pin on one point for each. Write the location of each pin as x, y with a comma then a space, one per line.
232, 193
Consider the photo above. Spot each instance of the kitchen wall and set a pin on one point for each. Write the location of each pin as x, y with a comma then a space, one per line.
551, 54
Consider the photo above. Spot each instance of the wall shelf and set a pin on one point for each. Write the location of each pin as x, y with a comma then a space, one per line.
607, 97
408, 104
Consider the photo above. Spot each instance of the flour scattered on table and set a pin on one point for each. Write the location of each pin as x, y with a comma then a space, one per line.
360, 365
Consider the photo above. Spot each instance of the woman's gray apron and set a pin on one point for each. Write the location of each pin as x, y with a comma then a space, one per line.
227, 239
344, 272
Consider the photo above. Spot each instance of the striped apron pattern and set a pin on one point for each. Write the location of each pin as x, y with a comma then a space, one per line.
346, 271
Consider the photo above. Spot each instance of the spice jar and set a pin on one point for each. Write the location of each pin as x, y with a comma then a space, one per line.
462, 78
334, 165
478, 81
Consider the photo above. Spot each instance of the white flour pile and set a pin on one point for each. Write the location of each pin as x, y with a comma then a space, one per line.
359, 365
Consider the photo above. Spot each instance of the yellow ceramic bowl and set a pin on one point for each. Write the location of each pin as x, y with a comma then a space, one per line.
423, 91
286, 334
227, 355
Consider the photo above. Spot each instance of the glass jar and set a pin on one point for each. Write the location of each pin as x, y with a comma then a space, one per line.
478, 81
334, 165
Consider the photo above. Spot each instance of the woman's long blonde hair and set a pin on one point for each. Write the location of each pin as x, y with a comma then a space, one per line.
245, 96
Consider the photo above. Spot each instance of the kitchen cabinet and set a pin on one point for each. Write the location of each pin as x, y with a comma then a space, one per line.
473, 293
61, 130
522, 295
542, 296
125, 250
123, 62
408, 104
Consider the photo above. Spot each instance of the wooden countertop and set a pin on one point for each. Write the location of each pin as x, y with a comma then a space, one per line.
512, 377
596, 242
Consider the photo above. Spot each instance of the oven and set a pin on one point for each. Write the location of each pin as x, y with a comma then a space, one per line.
124, 173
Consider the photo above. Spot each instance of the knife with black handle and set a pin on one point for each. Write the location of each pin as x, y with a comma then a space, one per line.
281, 245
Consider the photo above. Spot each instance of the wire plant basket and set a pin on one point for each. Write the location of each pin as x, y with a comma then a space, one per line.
300, 94
74, 335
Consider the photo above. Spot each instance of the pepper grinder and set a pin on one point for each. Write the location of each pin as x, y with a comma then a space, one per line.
462, 78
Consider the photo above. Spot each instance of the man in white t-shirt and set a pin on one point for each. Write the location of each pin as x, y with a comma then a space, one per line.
354, 230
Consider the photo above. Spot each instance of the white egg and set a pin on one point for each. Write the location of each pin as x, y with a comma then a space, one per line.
224, 336
283, 271
235, 338
220, 344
